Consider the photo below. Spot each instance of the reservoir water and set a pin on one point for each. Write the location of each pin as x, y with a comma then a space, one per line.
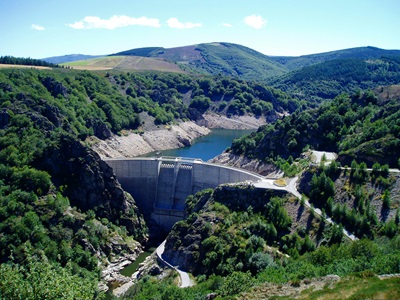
206, 147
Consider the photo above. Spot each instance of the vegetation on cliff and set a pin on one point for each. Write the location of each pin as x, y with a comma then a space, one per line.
62, 210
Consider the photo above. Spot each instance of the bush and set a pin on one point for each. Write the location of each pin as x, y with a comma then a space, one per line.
236, 283
259, 261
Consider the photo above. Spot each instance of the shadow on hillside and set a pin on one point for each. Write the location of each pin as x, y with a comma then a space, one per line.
384, 213
300, 212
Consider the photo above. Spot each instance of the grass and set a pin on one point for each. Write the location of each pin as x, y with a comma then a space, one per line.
124, 63
362, 285
4, 66
357, 288
280, 182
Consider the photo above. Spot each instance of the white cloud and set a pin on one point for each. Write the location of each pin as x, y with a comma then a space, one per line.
175, 23
37, 27
227, 25
255, 21
91, 22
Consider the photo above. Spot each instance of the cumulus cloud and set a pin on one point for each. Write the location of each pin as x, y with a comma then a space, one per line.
175, 23
91, 22
227, 25
255, 21
37, 27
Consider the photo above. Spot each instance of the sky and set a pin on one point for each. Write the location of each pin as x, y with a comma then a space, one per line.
46, 28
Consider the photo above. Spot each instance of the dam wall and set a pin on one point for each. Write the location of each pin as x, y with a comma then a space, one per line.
160, 186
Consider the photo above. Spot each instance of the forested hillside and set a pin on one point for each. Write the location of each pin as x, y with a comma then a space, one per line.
246, 241
362, 53
10, 60
329, 79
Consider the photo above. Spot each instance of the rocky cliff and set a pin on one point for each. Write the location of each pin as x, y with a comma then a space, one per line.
90, 183
243, 162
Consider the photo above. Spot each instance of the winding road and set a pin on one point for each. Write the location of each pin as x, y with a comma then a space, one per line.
185, 278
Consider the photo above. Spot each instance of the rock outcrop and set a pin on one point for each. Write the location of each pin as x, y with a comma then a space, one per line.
243, 162
90, 183
213, 120
184, 248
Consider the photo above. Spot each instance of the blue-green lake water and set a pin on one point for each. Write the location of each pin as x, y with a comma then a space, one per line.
205, 147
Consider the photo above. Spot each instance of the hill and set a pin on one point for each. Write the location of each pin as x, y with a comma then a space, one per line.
224, 59
69, 58
363, 53
135, 63
328, 79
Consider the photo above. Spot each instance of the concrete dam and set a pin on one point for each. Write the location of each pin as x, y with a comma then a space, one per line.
160, 186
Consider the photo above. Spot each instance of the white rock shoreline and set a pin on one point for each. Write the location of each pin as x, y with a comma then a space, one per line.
134, 144
168, 137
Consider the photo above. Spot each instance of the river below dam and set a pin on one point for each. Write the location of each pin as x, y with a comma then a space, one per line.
205, 147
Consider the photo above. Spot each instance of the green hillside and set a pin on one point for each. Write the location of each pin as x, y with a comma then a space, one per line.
363, 53
217, 59
69, 58
227, 59
331, 78
146, 51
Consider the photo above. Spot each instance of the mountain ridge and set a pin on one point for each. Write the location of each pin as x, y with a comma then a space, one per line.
69, 58
365, 52
223, 59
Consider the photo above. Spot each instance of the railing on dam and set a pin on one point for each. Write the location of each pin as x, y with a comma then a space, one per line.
160, 185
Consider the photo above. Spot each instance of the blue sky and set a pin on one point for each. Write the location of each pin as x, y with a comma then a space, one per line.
44, 28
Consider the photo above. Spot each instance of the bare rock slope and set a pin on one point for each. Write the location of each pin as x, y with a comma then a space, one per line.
133, 144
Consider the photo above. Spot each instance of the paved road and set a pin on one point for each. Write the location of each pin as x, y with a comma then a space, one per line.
269, 184
185, 278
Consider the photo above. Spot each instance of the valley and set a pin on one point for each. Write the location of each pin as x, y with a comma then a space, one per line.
324, 138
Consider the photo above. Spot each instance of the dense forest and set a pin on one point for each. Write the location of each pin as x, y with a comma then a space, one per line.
11, 60
328, 79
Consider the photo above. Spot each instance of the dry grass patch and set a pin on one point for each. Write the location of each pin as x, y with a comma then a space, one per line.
280, 182
5, 66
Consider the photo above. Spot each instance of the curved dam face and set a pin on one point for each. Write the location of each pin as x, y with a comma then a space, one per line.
160, 186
